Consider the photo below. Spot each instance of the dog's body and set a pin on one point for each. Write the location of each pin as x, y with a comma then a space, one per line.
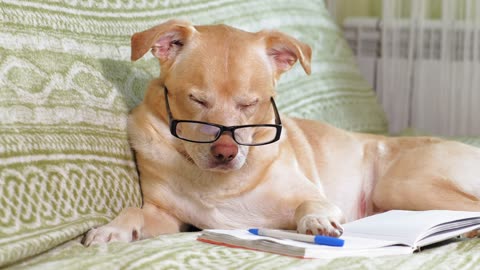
314, 178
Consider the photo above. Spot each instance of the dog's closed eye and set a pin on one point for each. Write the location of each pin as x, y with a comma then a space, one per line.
248, 105
199, 101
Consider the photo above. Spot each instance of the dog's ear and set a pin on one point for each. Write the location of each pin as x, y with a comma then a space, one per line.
284, 51
166, 40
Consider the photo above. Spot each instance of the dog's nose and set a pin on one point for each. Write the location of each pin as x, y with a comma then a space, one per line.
224, 149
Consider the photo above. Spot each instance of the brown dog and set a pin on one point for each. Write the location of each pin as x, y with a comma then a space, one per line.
312, 179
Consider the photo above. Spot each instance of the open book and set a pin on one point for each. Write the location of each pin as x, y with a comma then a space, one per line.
391, 233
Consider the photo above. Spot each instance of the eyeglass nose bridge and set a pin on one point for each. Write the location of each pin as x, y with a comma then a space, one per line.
225, 130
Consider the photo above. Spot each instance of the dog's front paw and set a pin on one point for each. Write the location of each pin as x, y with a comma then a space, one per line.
320, 224
319, 217
110, 233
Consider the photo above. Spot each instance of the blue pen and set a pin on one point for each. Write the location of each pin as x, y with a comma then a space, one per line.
316, 239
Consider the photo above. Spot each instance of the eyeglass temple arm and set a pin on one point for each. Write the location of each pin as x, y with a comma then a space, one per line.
167, 104
275, 110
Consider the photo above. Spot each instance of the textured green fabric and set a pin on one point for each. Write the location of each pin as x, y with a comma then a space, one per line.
67, 85
181, 251
65, 162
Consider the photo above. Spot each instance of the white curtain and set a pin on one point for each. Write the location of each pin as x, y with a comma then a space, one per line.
430, 74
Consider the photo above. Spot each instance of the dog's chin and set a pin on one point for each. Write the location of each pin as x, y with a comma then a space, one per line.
223, 167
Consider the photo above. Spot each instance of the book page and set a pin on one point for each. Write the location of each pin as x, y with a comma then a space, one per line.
402, 226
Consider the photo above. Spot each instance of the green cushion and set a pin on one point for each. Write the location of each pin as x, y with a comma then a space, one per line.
65, 162
67, 85
475, 141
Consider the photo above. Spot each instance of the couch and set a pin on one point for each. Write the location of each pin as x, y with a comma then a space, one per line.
66, 88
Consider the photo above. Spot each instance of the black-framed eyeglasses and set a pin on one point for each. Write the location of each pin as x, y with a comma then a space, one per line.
204, 132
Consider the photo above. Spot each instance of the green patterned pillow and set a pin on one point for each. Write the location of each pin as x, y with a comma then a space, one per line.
65, 162
67, 85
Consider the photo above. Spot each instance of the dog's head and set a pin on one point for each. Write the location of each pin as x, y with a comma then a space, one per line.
220, 75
